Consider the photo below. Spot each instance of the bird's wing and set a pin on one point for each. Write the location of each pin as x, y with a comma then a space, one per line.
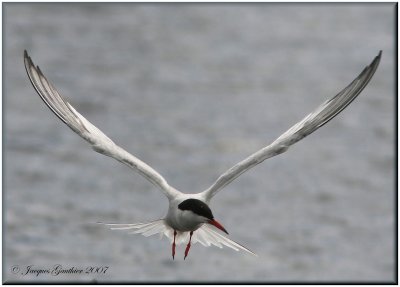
205, 235
323, 114
96, 138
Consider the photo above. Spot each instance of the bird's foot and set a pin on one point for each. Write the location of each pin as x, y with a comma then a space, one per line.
187, 250
188, 245
173, 246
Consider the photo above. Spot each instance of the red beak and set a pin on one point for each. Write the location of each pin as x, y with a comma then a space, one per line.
217, 225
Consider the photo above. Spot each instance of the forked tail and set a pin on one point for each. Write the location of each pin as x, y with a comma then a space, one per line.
206, 235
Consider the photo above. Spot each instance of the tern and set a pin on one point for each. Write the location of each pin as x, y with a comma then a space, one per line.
189, 217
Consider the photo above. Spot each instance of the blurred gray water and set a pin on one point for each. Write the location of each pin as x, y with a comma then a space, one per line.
192, 89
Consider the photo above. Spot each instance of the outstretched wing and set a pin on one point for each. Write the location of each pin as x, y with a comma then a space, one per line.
323, 114
206, 235
96, 138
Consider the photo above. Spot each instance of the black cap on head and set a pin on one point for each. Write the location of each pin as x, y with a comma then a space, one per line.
196, 206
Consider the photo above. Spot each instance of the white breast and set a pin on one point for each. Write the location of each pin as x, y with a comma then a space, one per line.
183, 220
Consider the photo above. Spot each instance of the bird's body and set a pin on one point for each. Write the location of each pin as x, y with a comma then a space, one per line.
189, 217
183, 220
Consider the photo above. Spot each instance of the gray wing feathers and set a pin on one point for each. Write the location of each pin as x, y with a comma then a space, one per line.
323, 114
50, 96
328, 110
79, 124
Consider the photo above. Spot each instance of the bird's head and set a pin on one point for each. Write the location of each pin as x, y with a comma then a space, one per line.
202, 210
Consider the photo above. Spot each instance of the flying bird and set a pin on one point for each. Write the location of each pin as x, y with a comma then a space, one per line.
189, 217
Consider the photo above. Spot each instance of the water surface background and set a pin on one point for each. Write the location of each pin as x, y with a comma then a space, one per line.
192, 89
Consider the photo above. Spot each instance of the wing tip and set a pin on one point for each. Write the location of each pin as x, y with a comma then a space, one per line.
28, 61
377, 58
374, 64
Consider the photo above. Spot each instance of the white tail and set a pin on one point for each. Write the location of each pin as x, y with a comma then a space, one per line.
206, 235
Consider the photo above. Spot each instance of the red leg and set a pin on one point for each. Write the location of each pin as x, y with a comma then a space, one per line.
188, 245
173, 246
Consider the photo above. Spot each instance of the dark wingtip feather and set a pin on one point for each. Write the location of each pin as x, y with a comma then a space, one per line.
28, 61
39, 71
377, 59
